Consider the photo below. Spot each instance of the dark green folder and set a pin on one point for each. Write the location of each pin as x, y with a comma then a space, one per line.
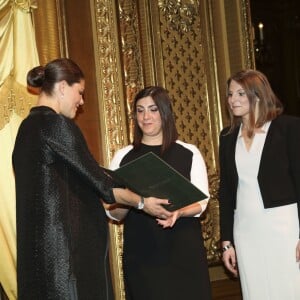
149, 175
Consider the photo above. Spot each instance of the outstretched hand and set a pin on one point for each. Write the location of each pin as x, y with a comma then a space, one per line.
153, 206
170, 221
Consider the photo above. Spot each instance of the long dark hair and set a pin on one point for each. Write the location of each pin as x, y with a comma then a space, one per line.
259, 92
162, 100
45, 77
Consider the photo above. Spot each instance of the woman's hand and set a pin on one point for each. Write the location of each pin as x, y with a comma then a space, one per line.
229, 259
170, 221
187, 211
154, 207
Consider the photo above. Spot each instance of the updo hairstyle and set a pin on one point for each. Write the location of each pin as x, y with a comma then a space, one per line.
45, 77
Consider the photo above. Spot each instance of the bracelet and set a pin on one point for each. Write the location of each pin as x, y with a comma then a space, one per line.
225, 248
141, 204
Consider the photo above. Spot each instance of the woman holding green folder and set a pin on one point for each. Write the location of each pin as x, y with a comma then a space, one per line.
163, 258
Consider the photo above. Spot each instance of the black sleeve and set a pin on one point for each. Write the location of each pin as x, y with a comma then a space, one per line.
67, 142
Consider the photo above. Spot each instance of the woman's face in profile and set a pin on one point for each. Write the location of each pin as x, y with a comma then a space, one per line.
148, 117
72, 99
238, 100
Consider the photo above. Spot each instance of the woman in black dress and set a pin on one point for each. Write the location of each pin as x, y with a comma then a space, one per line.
61, 224
163, 259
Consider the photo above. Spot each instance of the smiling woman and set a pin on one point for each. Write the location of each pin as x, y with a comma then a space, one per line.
259, 190
149, 120
180, 270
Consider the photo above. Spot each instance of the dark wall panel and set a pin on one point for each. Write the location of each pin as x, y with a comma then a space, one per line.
80, 48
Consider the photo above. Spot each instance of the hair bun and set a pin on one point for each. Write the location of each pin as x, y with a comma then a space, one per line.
36, 76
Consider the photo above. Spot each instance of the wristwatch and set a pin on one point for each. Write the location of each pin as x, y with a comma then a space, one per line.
141, 204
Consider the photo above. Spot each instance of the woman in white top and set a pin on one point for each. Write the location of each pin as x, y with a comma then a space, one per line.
260, 190
163, 259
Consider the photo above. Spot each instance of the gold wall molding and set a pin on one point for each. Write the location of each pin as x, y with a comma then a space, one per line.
180, 15
210, 223
131, 54
109, 77
247, 36
112, 103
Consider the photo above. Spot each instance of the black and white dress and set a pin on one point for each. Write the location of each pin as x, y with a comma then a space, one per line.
170, 263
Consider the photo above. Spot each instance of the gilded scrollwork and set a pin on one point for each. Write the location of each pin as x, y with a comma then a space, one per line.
113, 104
247, 36
180, 14
109, 78
210, 222
131, 53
